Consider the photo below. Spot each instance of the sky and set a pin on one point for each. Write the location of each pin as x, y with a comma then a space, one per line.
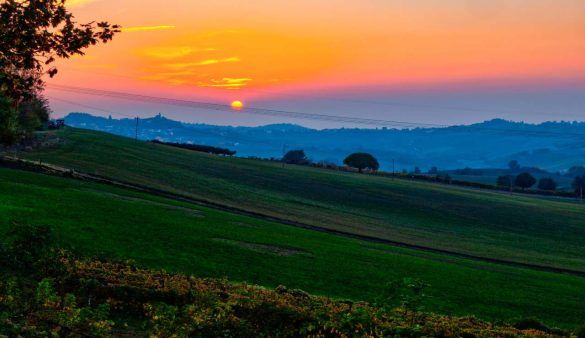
426, 61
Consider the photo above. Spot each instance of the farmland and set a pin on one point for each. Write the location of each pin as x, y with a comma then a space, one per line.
108, 222
485, 224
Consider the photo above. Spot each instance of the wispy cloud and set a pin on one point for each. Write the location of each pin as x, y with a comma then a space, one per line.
226, 83
147, 28
185, 65
76, 3
173, 52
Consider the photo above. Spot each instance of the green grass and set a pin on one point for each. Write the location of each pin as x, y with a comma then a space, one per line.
115, 223
489, 224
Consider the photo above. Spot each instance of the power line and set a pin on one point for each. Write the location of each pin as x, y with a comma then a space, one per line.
382, 103
238, 139
90, 107
295, 115
248, 110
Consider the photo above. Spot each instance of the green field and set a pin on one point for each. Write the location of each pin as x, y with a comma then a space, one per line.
115, 223
481, 223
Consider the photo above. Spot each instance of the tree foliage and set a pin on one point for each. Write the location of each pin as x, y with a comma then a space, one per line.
579, 185
33, 34
8, 121
505, 181
524, 180
295, 157
362, 161
547, 183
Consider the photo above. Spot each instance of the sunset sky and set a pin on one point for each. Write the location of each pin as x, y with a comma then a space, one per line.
436, 61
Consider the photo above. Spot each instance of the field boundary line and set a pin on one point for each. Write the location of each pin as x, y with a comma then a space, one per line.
55, 170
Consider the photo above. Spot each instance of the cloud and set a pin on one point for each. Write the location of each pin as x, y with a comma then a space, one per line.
207, 62
77, 3
226, 83
173, 52
147, 28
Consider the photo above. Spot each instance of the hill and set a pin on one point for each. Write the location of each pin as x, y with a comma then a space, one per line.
489, 225
97, 220
554, 146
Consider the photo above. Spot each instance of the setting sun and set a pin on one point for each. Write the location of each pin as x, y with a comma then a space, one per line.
237, 105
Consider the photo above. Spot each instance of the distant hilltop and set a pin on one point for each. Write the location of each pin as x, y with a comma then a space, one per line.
554, 146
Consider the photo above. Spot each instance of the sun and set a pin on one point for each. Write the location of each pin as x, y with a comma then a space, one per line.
237, 105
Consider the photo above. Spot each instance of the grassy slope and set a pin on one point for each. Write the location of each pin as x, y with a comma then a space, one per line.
102, 220
525, 229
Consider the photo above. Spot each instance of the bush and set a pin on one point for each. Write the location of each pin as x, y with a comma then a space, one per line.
9, 130
531, 324
581, 332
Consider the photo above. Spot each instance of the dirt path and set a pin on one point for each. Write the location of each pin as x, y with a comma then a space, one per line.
20, 164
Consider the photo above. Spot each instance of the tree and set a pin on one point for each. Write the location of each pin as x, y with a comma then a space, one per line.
505, 181
33, 34
547, 183
8, 122
361, 161
579, 185
295, 157
514, 165
524, 180
33, 113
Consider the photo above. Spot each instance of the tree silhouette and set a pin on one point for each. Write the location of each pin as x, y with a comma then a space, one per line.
524, 180
505, 181
547, 183
362, 161
33, 33
295, 157
579, 185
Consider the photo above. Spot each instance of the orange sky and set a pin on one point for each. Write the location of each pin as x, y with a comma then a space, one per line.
251, 46
503, 58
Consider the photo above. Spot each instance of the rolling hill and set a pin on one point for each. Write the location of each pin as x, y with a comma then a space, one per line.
483, 224
554, 146
99, 220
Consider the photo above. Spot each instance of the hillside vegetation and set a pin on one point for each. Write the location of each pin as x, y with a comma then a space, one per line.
486, 224
101, 221
45, 291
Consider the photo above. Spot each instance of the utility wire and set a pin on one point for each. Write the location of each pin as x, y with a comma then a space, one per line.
295, 115
382, 103
237, 139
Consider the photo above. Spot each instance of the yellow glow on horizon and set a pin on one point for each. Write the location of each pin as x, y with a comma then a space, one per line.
237, 105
